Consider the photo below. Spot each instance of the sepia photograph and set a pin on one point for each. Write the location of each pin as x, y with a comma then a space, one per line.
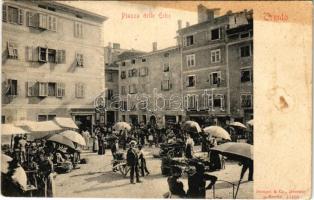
126, 100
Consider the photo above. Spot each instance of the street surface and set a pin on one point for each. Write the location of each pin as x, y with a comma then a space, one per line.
96, 179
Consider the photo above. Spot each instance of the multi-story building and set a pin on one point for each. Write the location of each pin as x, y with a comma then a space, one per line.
148, 83
212, 66
112, 53
52, 61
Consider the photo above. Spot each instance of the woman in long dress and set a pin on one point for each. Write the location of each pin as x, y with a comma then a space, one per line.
95, 145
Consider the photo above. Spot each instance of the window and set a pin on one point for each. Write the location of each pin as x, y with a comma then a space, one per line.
165, 85
79, 90
166, 55
188, 40
245, 51
246, 101
43, 89
246, 75
78, 30
110, 77
123, 75
191, 101
12, 50
215, 78
166, 67
124, 107
123, 91
216, 33
109, 93
123, 63
12, 87
132, 72
32, 89
190, 60
3, 119
51, 89
42, 118
143, 71
79, 60
219, 101
143, 60
132, 89
52, 55
191, 81
13, 15
215, 56
43, 54
133, 61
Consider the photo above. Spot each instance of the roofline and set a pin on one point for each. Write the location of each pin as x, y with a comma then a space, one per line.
64, 6
151, 53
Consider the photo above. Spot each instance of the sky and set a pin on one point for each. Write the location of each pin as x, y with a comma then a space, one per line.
137, 26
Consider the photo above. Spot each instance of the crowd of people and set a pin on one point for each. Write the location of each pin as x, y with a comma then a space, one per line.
40, 159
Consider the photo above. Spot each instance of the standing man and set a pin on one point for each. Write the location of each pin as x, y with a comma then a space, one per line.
247, 164
132, 161
197, 183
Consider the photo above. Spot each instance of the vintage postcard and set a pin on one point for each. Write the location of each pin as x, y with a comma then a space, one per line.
156, 99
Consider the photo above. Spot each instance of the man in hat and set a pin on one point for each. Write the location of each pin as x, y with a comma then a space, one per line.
175, 186
197, 182
132, 161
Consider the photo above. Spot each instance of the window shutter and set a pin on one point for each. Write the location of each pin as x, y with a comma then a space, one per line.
35, 53
54, 23
43, 89
60, 89
222, 102
32, 89
187, 81
184, 41
61, 56
210, 79
42, 21
222, 78
10, 48
29, 53
21, 17
49, 22
4, 13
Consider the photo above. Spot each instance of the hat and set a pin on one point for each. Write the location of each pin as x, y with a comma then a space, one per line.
200, 167
132, 142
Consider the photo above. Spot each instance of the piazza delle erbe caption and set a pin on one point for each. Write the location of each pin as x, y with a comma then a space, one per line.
84, 119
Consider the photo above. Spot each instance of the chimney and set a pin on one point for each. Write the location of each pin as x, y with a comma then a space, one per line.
201, 13
179, 24
229, 12
187, 24
154, 46
116, 45
210, 14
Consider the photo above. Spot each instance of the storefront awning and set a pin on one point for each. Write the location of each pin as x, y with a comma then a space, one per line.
11, 129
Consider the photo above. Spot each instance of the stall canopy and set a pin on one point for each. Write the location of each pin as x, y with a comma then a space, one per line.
65, 122
39, 129
10, 129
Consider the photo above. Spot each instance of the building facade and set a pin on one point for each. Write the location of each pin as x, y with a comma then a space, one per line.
148, 85
52, 62
214, 62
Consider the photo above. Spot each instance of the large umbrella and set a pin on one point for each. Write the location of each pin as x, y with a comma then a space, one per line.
74, 137
217, 131
192, 126
250, 122
19, 174
238, 124
121, 126
61, 140
235, 150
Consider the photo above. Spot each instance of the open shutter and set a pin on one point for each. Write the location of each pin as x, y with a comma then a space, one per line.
211, 79
54, 23
4, 13
43, 89
222, 102
222, 79
31, 89
42, 21
21, 17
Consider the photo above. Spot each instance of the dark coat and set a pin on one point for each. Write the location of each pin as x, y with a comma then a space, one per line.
132, 157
